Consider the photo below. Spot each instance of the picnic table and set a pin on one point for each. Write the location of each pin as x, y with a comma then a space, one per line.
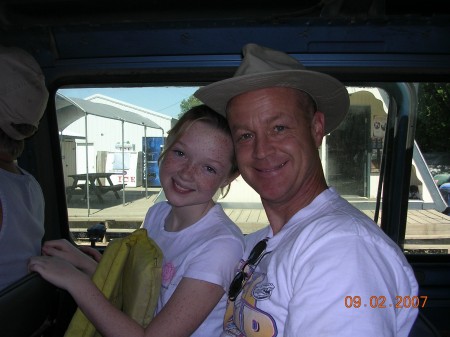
79, 186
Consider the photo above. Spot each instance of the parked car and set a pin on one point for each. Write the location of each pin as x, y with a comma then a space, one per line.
441, 179
445, 191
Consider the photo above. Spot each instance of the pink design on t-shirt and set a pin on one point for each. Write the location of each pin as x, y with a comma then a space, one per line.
168, 272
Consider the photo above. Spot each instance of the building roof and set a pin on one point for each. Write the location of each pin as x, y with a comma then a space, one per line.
69, 109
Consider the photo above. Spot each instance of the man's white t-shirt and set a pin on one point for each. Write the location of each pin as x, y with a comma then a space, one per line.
331, 271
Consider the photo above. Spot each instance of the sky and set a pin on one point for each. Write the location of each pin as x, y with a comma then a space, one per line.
165, 100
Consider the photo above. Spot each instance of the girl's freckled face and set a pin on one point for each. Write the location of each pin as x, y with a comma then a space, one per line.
197, 165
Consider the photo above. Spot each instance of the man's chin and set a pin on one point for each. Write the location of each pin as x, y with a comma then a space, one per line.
270, 194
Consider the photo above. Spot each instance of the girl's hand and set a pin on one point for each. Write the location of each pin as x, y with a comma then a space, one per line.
65, 250
59, 272
92, 252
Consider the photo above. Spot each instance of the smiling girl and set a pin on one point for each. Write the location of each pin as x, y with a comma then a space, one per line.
200, 244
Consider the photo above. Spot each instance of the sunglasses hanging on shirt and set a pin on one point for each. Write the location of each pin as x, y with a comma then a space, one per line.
241, 277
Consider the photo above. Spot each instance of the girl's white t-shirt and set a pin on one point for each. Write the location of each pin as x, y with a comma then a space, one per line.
208, 250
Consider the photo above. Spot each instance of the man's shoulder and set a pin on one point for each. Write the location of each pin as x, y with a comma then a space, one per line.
254, 237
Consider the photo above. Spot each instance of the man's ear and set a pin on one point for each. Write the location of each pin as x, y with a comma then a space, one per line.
318, 127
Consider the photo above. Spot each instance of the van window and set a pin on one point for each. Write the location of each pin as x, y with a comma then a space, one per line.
111, 139
428, 212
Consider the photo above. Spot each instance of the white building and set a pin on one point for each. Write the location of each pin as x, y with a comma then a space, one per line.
102, 134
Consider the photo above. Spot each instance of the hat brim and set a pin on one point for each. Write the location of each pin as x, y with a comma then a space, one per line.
330, 95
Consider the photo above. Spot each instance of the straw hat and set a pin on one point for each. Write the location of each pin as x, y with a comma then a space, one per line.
263, 67
23, 94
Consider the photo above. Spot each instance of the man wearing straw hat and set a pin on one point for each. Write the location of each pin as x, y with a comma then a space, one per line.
23, 98
321, 267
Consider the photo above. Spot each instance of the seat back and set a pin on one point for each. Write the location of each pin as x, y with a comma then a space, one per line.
423, 328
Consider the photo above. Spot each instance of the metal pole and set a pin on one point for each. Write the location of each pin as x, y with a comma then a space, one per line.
145, 162
123, 164
87, 163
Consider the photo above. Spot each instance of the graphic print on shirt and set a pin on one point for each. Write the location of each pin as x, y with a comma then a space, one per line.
244, 319
168, 272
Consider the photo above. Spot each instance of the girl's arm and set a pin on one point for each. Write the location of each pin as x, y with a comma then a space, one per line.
190, 304
188, 307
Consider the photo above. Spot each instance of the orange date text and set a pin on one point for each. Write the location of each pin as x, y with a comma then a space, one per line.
381, 302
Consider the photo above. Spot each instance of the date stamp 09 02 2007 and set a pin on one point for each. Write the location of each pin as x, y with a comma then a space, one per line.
380, 302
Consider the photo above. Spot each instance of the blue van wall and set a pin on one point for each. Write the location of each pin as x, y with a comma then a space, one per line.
153, 147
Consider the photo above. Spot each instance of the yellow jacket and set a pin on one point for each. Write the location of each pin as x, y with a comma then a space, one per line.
129, 275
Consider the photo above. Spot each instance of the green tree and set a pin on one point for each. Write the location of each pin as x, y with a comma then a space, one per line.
188, 103
433, 120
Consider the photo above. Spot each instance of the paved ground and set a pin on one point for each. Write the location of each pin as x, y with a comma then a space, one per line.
132, 206
426, 229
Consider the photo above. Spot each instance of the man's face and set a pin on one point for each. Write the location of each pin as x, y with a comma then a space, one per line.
276, 143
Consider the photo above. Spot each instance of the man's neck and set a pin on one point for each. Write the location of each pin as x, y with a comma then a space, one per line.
279, 214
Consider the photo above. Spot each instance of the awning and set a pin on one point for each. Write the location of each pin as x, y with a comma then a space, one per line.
69, 110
